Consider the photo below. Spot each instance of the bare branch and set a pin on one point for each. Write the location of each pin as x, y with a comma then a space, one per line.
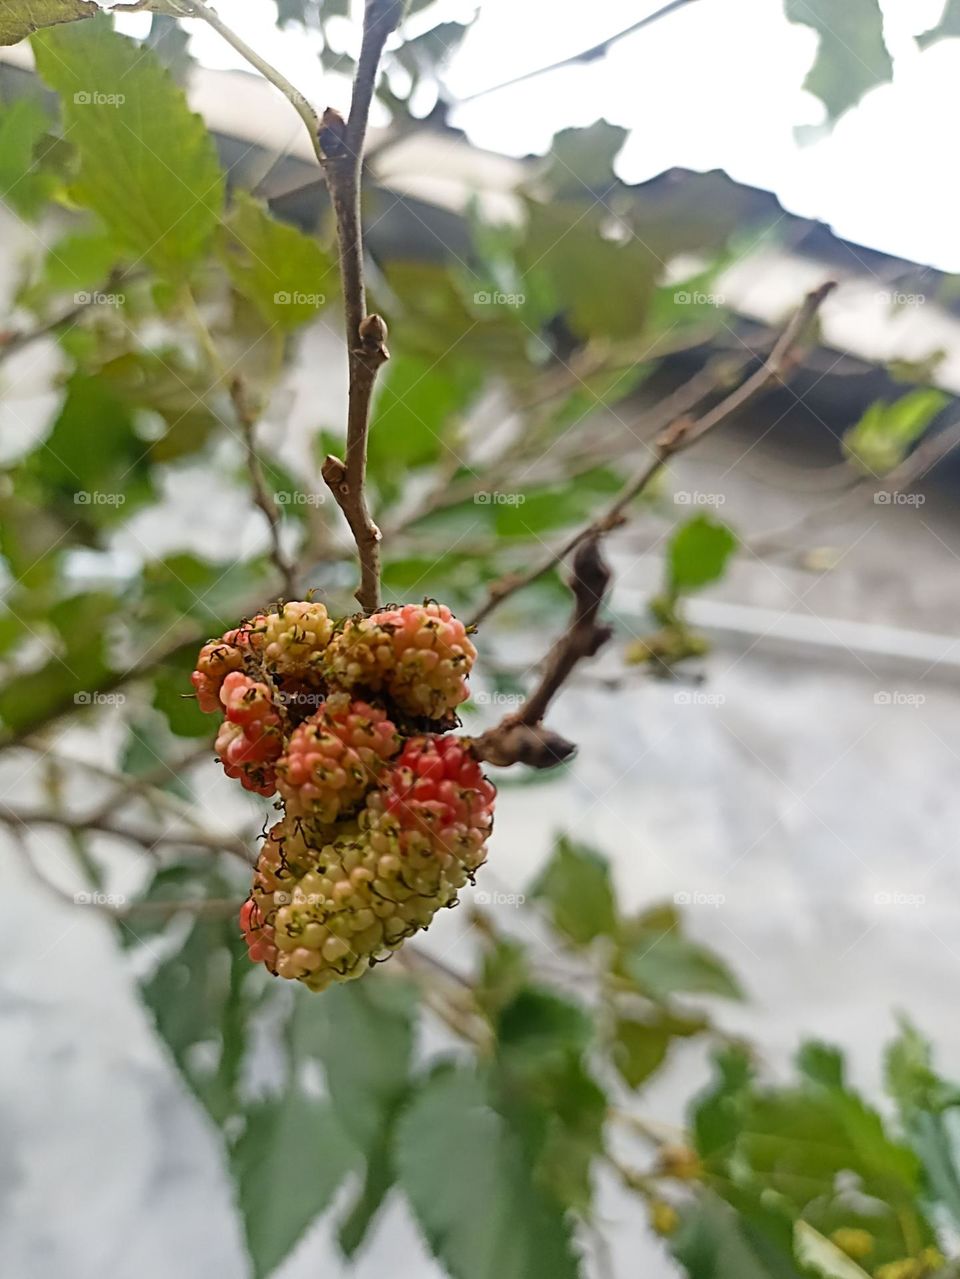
680, 435
248, 416
18, 819
520, 737
341, 146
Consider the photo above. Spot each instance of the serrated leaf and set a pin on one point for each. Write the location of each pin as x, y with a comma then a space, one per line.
578, 891
663, 962
698, 554
286, 274
490, 1218
852, 56
287, 1166
20, 18
148, 166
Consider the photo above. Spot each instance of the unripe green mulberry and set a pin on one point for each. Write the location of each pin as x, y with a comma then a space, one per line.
294, 639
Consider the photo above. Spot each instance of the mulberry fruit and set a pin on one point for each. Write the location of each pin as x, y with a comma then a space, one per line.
419, 655
219, 657
335, 757
293, 640
249, 741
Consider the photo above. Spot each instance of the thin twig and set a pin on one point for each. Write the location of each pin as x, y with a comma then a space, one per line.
341, 145
19, 819
680, 435
247, 416
585, 55
307, 113
520, 737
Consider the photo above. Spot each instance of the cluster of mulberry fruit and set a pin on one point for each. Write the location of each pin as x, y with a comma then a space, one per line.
386, 812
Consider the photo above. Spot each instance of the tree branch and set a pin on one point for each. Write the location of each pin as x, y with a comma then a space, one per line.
680, 435
520, 737
341, 146
247, 416
23, 818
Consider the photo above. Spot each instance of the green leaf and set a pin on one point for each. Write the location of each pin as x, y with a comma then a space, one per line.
639, 1049
578, 891
378, 1181
949, 25
698, 553
173, 696
471, 1188
417, 413
662, 961
201, 1010
717, 1111
23, 183
538, 1022
583, 158
714, 1242
21, 18
852, 57
148, 166
887, 431
362, 1033
286, 274
821, 1063
288, 1164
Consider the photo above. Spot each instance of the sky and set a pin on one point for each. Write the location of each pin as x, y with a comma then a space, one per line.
718, 84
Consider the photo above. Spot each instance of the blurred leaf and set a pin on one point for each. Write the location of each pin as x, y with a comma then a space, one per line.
698, 553
417, 413
537, 1022
184, 585
173, 696
362, 1033
378, 1181
655, 954
715, 1243
582, 159
285, 273
201, 1011
528, 513
24, 185
604, 286
76, 263
821, 1063
490, 1218
288, 1164
639, 1049
949, 25
852, 56
148, 166
716, 1114
163, 382
21, 18
577, 889
887, 431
